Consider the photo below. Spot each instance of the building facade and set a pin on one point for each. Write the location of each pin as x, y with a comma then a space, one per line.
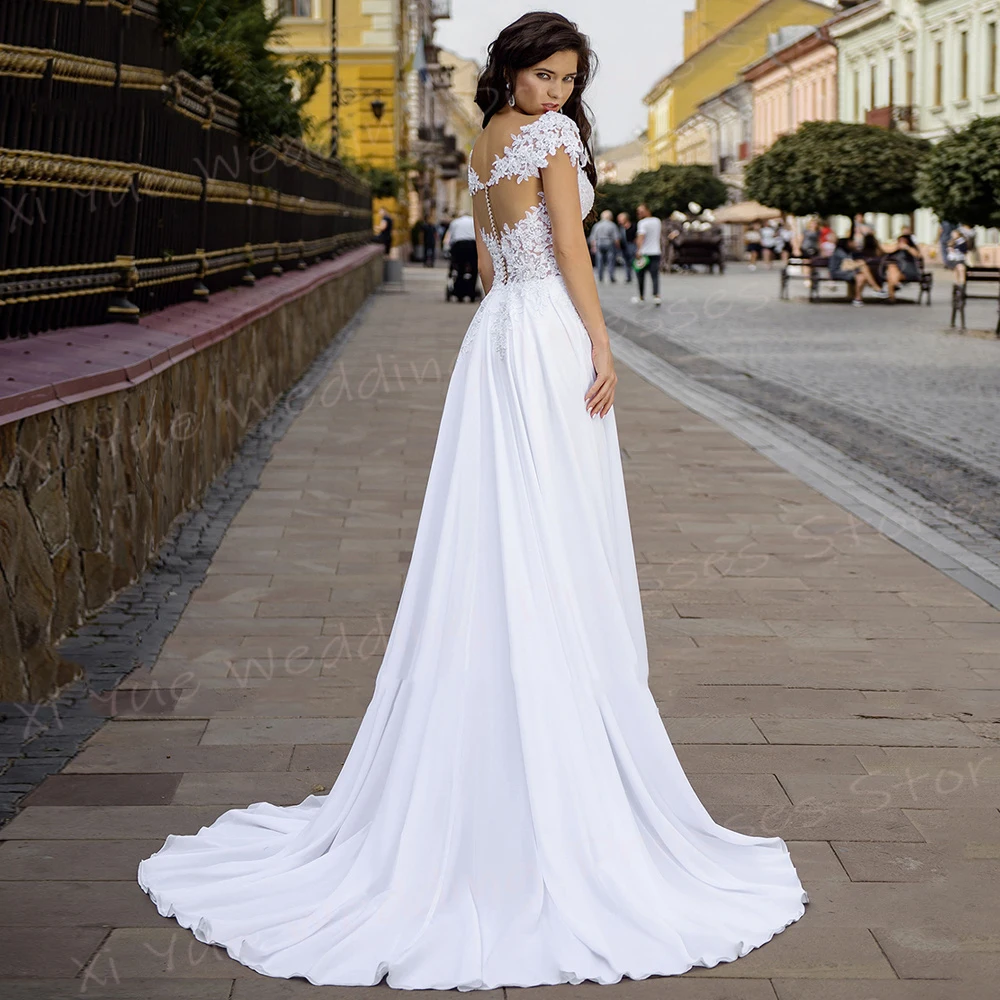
921, 65
308, 31
721, 37
729, 115
795, 82
620, 164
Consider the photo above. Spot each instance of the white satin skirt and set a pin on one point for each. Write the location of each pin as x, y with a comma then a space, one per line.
512, 812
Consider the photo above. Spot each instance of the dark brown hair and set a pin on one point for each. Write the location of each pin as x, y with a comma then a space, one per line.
531, 39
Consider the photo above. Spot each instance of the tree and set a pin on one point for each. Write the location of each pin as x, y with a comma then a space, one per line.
667, 189
960, 177
838, 168
227, 40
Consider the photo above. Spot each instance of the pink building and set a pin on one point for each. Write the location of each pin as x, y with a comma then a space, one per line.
795, 82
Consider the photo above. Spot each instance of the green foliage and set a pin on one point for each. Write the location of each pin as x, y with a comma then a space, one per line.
960, 177
667, 189
227, 40
838, 168
383, 181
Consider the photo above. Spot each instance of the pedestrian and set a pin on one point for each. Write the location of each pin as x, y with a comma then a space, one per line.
944, 234
384, 235
751, 242
809, 245
783, 241
627, 237
859, 230
605, 240
957, 252
846, 266
647, 248
827, 240
460, 243
768, 239
430, 243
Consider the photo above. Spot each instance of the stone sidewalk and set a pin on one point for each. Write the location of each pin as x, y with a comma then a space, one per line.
819, 682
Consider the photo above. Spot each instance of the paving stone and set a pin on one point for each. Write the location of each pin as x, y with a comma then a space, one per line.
926, 789
236, 789
877, 732
47, 950
815, 821
255, 732
810, 951
159, 733
170, 953
729, 729
922, 952
73, 860
872, 989
769, 759
104, 987
107, 822
892, 862
104, 790
125, 760
77, 904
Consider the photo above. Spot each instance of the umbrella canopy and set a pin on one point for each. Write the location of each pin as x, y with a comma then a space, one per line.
746, 211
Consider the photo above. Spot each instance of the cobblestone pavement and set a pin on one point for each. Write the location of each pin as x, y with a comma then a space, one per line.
886, 384
819, 682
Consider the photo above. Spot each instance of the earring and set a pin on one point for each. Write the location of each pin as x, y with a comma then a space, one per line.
510, 99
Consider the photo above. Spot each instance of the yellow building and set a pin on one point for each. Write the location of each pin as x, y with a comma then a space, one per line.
720, 38
368, 65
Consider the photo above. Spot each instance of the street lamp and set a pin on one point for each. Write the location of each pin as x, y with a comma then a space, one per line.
378, 107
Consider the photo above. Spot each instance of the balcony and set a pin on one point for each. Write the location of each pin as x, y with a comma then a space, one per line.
897, 116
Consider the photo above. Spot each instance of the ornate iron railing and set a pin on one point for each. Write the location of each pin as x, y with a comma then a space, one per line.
125, 185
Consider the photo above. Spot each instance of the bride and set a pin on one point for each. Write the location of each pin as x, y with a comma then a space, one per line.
512, 812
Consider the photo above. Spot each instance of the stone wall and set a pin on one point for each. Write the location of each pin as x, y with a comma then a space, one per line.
89, 489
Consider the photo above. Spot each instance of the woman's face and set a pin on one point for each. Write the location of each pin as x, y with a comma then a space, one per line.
547, 85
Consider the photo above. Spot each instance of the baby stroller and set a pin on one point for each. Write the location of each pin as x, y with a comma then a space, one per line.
463, 272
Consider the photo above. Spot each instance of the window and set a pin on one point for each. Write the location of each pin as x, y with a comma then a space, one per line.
823, 113
991, 57
857, 95
295, 8
892, 82
963, 65
910, 77
871, 86
938, 73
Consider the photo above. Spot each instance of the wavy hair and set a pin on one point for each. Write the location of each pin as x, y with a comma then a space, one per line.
531, 39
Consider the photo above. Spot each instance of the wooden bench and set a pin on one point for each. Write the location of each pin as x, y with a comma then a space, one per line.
815, 271
960, 294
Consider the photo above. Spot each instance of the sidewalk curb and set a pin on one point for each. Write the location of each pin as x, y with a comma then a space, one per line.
870, 496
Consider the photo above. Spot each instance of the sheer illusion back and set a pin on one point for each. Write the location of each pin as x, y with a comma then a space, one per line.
508, 200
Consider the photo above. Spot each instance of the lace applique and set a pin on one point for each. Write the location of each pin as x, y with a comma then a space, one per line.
531, 147
526, 247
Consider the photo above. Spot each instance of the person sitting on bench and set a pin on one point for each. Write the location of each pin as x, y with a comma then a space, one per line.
902, 262
844, 266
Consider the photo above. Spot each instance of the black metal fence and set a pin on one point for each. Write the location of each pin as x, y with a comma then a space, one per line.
125, 183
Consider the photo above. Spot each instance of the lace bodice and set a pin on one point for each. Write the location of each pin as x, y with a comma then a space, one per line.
524, 251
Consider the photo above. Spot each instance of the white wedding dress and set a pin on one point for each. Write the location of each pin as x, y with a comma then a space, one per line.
512, 812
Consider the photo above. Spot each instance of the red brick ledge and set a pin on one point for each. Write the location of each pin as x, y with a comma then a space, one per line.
65, 366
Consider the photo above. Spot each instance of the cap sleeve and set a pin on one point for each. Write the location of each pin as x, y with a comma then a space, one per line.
535, 143
554, 130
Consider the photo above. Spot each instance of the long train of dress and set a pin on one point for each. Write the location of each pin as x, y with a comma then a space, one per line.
512, 811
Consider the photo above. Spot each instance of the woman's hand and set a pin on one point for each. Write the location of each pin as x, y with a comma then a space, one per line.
601, 393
